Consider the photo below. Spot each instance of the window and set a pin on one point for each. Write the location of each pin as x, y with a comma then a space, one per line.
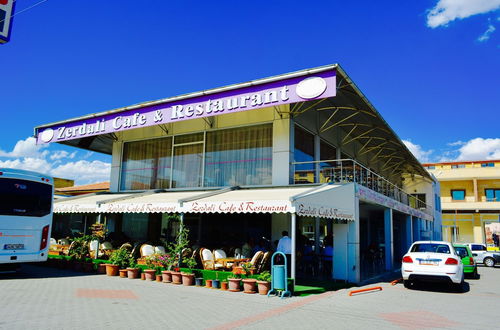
431, 167
492, 195
488, 165
25, 198
431, 247
304, 152
458, 195
239, 156
458, 166
477, 247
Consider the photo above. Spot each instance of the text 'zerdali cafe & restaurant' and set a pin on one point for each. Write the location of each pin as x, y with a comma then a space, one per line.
303, 152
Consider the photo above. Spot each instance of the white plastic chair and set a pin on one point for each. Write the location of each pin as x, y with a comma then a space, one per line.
53, 241
147, 250
160, 249
63, 241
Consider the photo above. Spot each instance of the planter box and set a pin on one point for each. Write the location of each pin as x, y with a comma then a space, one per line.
176, 277
234, 284
263, 287
187, 279
166, 276
149, 274
123, 273
249, 285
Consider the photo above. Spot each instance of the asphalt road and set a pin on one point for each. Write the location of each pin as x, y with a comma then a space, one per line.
49, 298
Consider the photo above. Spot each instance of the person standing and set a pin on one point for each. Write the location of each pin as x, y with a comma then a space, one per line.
285, 246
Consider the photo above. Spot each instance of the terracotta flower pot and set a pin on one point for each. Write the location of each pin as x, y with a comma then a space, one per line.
132, 273
263, 287
158, 278
250, 285
112, 270
223, 286
123, 273
176, 277
187, 279
166, 276
234, 284
149, 274
88, 267
143, 276
208, 283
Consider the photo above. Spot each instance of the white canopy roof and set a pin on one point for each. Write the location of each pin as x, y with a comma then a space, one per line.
326, 201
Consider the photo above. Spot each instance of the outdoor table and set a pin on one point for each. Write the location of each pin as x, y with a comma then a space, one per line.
235, 261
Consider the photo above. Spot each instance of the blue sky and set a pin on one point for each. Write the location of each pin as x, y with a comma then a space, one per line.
430, 67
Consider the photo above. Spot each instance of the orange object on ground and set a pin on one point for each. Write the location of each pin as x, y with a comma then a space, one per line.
396, 281
379, 288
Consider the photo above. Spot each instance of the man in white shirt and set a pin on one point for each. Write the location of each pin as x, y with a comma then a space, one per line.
285, 246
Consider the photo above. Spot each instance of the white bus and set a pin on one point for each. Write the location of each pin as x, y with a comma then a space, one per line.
25, 216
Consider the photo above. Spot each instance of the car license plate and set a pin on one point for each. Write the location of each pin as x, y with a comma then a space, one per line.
13, 246
429, 262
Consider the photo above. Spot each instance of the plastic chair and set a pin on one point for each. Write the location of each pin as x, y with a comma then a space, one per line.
160, 249
147, 250
221, 254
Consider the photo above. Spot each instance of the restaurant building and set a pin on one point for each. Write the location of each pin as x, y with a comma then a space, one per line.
304, 152
470, 199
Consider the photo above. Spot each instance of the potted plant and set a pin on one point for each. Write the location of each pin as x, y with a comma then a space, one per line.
132, 270
166, 261
224, 285
78, 251
249, 284
216, 282
119, 260
234, 282
264, 282
151, 263
188, 275
198, 281
175, 251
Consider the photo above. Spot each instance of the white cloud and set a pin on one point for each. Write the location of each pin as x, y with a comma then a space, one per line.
61, 154
84, 171
480, 149
422, 155
456, 143
28, 155
25, 148
447, 11
486, 35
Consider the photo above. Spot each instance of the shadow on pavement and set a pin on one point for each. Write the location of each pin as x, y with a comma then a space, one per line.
28, 271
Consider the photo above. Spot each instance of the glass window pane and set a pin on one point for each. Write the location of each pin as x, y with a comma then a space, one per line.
197, 137
188, 164
239, 156
25, 198
135, 226
458, 195
146, 164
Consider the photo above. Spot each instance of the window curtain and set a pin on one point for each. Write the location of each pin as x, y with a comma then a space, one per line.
239, 156
188, 165
146, 164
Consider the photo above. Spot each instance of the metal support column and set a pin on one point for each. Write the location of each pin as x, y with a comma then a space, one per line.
294, 238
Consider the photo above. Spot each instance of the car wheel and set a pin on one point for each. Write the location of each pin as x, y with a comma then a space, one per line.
407, 284
489, 262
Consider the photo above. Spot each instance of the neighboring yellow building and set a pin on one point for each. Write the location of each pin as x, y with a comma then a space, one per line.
470, 198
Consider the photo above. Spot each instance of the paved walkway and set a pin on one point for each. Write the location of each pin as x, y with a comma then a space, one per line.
47, 298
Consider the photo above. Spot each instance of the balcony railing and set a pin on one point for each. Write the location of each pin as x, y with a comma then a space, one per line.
348, 170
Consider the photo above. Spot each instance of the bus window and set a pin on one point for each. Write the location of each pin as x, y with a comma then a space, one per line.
25, 198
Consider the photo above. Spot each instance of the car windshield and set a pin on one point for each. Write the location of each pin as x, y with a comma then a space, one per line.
431, 247
461, 251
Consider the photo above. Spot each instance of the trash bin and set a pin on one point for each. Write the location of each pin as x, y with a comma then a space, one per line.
279, 277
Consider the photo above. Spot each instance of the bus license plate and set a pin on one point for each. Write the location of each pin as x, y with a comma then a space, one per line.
13, 246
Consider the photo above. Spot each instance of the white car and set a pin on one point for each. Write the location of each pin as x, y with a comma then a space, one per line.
432, 261
482, 255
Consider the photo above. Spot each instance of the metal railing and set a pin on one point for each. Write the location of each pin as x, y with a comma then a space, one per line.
348, 170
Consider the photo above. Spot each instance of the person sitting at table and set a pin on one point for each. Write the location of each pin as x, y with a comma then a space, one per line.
247, 248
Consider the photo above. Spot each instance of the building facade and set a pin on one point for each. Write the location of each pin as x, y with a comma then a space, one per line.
304, 152
470, 199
